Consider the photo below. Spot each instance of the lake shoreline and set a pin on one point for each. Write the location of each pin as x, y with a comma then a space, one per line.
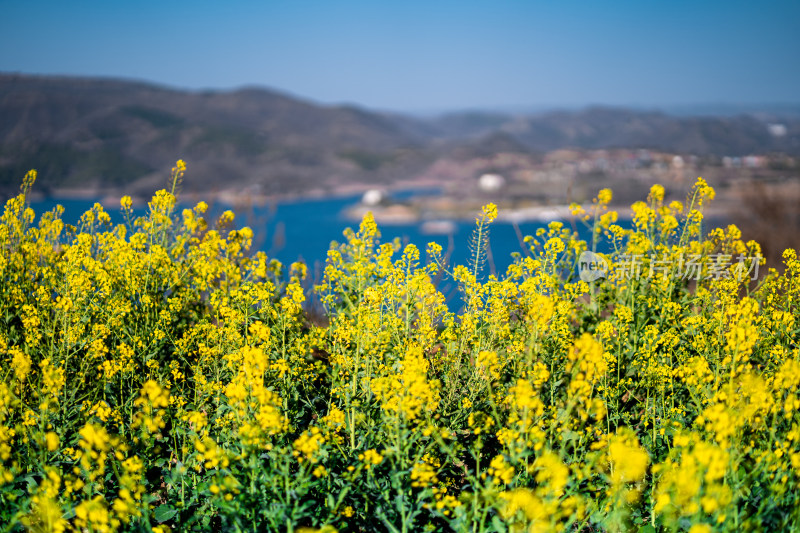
419, 204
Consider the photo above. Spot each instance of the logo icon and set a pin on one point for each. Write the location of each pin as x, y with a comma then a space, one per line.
592, 266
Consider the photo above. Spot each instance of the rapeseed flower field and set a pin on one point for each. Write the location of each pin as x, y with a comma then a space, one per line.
159, 376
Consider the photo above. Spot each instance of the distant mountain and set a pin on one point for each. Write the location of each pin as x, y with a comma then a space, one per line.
776, 110
108, 133
622, 128
123, 135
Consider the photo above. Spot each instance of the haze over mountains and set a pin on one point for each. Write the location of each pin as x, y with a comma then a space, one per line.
114, 135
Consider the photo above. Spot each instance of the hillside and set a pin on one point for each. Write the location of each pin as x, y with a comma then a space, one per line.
86, 133
105, 133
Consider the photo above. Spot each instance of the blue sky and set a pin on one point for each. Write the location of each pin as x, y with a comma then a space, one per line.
424, 55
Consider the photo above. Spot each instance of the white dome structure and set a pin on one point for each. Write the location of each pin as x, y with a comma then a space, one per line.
372, 197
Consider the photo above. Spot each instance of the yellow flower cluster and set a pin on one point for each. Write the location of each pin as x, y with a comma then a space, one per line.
410, 393
158, 375
307, 445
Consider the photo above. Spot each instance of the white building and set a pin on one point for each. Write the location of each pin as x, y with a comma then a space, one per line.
491, 182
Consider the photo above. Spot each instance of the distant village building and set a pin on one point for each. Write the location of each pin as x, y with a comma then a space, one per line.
644, 159
677, 162
755, 161
563, 155
491, 182
731, 162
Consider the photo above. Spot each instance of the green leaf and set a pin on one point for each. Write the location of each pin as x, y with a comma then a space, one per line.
498, 524
163, 513
647, 529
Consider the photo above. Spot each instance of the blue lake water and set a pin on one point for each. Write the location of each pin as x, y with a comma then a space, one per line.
304, 229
